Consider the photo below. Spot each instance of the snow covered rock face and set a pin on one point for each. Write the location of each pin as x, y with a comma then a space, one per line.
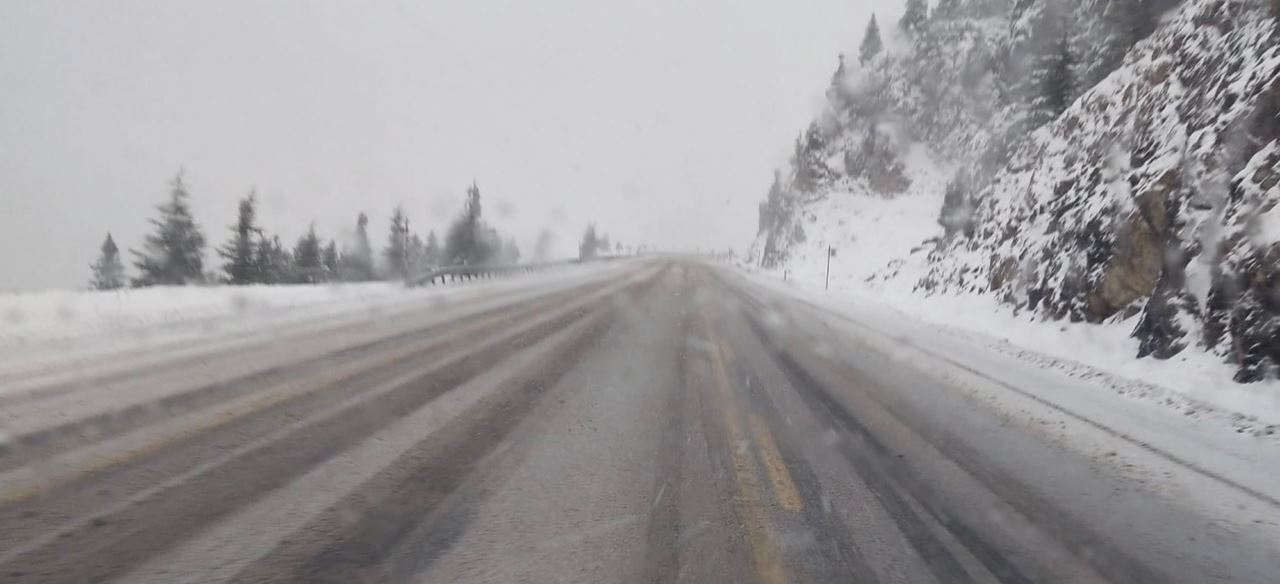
931, 84
1144, 196
958, 88
1242, 312
1108, 159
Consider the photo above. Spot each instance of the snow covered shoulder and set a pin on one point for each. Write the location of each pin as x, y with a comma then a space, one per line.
69, 333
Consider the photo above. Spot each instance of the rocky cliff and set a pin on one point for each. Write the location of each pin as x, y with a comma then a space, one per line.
1105, 159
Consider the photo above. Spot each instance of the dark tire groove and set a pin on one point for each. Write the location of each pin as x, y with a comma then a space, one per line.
103, 487
873, 468
842, 558
24, 449
109, 545
661, 561
352, 541
412, 499
1086, 546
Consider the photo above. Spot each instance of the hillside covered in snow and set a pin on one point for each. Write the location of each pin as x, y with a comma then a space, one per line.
1100, 161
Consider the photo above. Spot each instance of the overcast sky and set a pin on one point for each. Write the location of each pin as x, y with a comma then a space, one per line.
659, 119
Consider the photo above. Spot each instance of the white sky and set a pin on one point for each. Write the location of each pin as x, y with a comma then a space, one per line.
661, 120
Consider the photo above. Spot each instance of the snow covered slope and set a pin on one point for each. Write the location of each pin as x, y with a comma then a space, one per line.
868, 231
1098, 161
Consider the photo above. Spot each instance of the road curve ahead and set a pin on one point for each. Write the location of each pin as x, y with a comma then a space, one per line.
664, 421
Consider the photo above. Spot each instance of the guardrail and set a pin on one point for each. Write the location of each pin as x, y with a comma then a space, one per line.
444, 274
463, 273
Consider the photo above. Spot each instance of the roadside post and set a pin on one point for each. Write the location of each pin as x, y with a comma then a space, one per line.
831, 252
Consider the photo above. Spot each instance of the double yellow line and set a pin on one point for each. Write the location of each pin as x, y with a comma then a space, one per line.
747, 499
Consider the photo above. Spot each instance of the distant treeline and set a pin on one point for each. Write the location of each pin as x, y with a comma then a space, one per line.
174, 253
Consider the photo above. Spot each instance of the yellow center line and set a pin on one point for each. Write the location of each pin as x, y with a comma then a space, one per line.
784, 489
766, 556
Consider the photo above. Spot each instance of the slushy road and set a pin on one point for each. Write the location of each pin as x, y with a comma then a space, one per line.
666, 421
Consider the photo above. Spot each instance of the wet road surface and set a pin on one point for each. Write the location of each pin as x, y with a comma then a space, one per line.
666, 422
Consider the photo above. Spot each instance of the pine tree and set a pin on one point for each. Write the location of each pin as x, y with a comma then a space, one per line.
1058, 86
542, 248
510, 254
108, 271
1135, 19
1101, 49
308, 265
432, 252
837, 91
262, 257
467, 242
877, 161
811, 171
356, 264
489, 244
330, 260
947, 9
957, 206
915, 15
275, 263
174, 254
240, 267
771, 211
396, 251
416, 254
590, 243
281, 261
871, 43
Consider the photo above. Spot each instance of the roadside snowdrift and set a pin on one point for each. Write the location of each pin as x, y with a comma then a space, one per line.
59, 331
38, 317
868, 233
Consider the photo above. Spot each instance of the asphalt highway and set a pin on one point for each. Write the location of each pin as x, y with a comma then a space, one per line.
666, 421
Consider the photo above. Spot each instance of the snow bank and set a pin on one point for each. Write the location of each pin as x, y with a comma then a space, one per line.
869, 234
1091, 357
45, 332
882, 246
1158, 443
30, 318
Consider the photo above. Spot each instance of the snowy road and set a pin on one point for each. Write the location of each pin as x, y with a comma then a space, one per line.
662, 420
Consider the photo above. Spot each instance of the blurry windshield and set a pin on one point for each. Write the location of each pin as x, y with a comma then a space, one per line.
953, 291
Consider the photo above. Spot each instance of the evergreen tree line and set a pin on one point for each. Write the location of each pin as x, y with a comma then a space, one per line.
1048, 81
594, 244
1058, 48
173, 253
